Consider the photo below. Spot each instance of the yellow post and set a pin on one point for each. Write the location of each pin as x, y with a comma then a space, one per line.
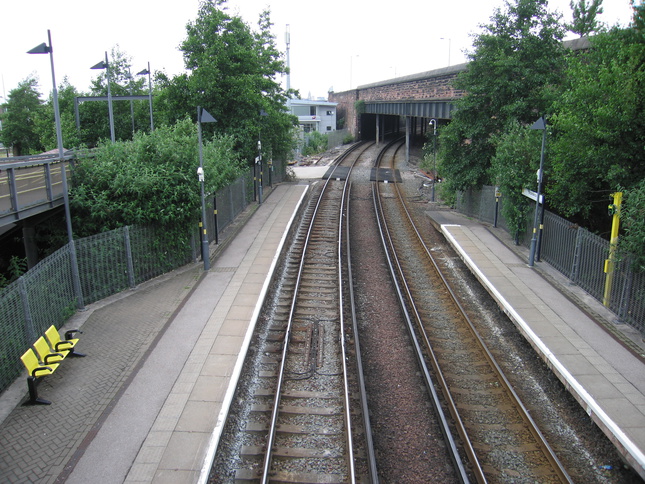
614, 210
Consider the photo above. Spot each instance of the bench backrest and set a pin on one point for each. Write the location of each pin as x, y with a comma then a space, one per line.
29, 360
42, 348
52, 336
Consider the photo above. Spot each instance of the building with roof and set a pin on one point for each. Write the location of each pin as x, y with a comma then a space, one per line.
314, 115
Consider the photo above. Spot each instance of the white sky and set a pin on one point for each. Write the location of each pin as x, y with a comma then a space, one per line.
337, 44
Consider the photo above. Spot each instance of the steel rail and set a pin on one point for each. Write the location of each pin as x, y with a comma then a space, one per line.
266, 467
401, 287
555, 463
371, 456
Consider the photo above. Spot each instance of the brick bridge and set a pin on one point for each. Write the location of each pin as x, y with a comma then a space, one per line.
415, 99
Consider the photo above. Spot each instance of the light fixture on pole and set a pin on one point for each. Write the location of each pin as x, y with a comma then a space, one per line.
449, 42
263, 114
49, 49
105, 65
539, 124
433, 123
203, 116
143, 73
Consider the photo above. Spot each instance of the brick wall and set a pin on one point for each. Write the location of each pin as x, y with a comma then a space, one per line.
432, 85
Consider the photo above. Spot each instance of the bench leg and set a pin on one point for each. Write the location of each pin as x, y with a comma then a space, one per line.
76, 353
33, 393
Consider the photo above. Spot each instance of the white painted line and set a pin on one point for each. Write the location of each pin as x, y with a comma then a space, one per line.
228, 398
592, 405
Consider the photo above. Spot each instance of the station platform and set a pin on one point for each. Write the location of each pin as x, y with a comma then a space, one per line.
148, 403
600, 362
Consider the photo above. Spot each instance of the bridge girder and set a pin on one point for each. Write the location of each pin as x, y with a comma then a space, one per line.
439, 109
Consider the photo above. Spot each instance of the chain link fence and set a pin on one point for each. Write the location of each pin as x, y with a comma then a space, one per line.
108, 263
572, 250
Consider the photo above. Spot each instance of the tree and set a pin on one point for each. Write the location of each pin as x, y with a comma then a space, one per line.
232, 73
633, 220
513, 168
584, 17
149, 180
516, 60
94, 115
46, 124
599, 124
19, 120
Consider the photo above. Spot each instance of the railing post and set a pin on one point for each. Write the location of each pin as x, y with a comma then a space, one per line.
30, 331
128, 254
576, 257
13, 189
76, 277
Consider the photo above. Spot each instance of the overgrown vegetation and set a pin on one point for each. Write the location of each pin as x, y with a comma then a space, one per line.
593, 103
315, 142
151, 180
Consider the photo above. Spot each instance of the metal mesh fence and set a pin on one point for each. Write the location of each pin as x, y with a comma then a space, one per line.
107, 264
573, 251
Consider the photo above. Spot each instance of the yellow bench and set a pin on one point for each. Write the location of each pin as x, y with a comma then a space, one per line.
36, 370
46, 358
46, 355
67, 344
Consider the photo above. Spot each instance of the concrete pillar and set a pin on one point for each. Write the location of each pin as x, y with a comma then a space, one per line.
29, 241
378, 125
407, 139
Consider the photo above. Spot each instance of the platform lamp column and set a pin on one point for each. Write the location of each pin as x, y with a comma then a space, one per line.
258, 162
433, 123
539, 124
203, 116
105, 65
76, 280
143, 73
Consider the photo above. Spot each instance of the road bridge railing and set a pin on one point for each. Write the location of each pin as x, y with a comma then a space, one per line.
31, 185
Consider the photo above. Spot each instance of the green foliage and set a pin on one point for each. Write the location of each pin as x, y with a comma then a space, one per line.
17, 267
46, 125
599, 124
516, 160
584, 17
150, 180
19, 121
315, 143
359, 106
94, 115
348, 139
232, 73
633, 220
517, 58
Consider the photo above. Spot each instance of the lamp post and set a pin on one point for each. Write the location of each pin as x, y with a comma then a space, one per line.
433, 123
449, 42
105, 65
143, 73
258, 161
539, 124
203, 116
49, 49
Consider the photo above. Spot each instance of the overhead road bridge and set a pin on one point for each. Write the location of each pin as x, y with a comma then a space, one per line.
31, 189
373, 110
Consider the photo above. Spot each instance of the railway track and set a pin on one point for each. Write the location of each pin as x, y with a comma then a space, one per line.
305, 415
497, 435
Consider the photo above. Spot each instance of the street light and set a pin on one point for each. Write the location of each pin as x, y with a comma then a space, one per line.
433, 123
49, 49
143, 73
539, 124
203, 116
449, 42
105, 65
